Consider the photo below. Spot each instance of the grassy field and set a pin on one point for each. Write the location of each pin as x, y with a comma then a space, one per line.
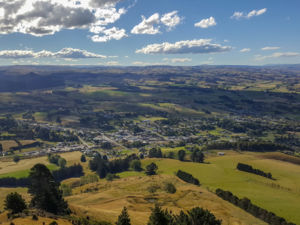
21, 169
28, 220
105, 200
281, 196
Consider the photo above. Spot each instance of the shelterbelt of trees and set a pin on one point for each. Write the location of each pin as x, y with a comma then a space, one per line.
250, 169
255, 210
64, 173
248, 146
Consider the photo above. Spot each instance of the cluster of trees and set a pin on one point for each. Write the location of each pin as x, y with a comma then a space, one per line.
248, 146
151, 169
57, 160
45, 193
103, 166
256, 211
250, 169
50, 135
155, 153
159, 216
19, 147
59, 175
197, 155
187, 177
67, 172
14, 182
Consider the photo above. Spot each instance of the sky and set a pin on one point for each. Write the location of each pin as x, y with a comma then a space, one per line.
144, 32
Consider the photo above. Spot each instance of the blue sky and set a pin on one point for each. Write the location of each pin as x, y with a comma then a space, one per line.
143, 32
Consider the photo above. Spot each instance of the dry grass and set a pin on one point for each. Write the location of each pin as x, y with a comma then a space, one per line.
107, 199
28, 221
8, 144
282, 157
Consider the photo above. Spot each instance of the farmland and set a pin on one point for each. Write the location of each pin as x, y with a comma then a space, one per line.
114, 115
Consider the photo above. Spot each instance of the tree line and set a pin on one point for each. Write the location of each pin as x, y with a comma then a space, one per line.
102, 166
159, 216
187, 177
64, 173
247, 146
250, 169
248, 206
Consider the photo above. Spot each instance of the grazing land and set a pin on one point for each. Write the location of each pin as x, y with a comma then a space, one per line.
114, 122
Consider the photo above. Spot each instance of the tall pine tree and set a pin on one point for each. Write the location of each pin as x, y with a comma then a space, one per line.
45, 191
123, 218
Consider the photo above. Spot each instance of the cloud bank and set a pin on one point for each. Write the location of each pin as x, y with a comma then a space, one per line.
200, 46
69, 53
277, 55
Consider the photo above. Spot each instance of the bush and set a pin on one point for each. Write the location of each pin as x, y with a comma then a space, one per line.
170, 188
111, 177
35, 217
151, 169
15, 203
53, 223
136, 165
83, 158
153, 188
16, 158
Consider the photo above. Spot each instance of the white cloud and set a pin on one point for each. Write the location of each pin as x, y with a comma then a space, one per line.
177, 60
205, 23
200, 46
109, 34
270, 48
171, 19
277, 55
140, 63
46, 17
245, 50
70, 53
240, 15
147, 26
113, 63
151, 25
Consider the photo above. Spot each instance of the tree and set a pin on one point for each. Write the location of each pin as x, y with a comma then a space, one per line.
15, 203
83, 159
155, 153
123, 218
160, 217
45, 191
16, 158
151, 169
58, 120
197, 156
181, 155
62, 162
136, 165
197, 215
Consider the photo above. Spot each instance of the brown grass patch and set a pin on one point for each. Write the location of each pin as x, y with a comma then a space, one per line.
105, 200
282, 157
